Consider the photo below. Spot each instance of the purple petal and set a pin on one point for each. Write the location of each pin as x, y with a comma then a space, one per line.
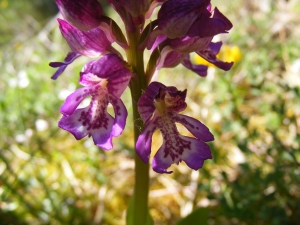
145, 104
80, 125
112, 68
199, 69
120, 115
209, 27
174, 99
163, 55
198, 152
102, 132
172, 59
143, 144
83, 14
160, 38
215, 47
187, 44
211, 57
198, 129
73, 124
89, 79
173, 146
63, 65
93, 120
91, 43
161, 162
118, 83
177, 16
75, 99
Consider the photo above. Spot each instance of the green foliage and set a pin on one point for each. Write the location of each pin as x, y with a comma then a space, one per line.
197, 217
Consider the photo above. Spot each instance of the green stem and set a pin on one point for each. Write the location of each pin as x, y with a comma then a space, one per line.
137, 85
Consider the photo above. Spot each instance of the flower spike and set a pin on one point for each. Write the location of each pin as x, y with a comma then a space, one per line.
159, 107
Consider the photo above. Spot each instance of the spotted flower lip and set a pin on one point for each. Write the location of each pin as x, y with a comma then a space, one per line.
91, 43
104, 80
83, 14
159, 107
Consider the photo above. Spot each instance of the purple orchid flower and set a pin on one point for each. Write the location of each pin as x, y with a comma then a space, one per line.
179, 18
195, 36
170, 58
105, 80
159, 107
83, 14
91, 43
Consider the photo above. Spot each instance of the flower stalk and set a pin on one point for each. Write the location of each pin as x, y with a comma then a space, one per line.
137, 86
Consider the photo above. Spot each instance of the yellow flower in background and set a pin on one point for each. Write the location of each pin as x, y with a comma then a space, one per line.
226, 54
3, 4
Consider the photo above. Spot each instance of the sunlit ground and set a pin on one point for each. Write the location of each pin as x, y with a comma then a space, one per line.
47, 177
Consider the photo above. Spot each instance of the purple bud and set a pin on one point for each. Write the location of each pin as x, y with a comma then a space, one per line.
83, 14
136, 7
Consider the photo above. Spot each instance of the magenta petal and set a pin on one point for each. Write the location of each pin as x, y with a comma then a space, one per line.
63, 65
198, 69
83, 14
91, 43
198, 152
143, 144
161, 162
120, 115
198, 129
75, 99
73, 125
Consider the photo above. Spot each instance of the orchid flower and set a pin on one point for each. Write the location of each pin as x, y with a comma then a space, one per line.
159, 108
105, 80
193, 36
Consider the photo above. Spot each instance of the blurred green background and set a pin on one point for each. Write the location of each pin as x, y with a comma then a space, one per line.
47, 177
